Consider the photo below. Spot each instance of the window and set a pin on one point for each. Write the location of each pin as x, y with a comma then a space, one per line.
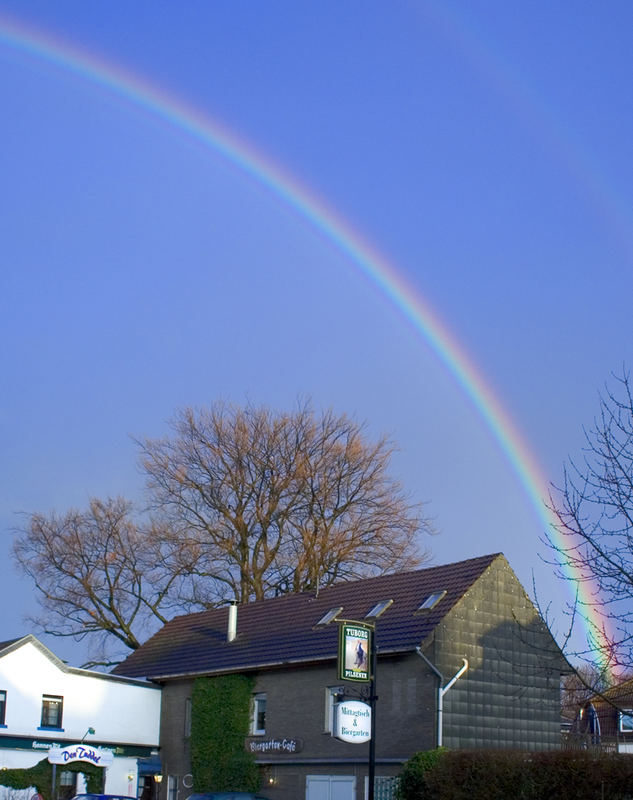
626, 720
258, 722
333, 695
67, 785
187, 717
330, 615
172, 787
432, 600
385, 787
3, 706
52, 707
378, 609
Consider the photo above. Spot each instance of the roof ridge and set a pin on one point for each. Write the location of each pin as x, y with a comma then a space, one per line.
344, 583
198, 643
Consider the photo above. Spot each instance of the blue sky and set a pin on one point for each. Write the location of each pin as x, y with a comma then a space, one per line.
483, 149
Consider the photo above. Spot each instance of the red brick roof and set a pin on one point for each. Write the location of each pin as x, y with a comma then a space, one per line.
281, 630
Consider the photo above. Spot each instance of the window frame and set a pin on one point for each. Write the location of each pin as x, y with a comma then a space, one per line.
3, 708
48, 701
68, 778
379, 608
258, 715
331, 695
431, 601
329, 616
187, 730
625, 720
172, 787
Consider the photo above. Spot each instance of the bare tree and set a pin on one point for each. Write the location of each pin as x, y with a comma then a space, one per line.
251, 503
594, 507
583, 684
99, 574
275, 502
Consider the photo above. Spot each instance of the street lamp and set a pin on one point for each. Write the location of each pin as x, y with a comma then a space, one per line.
90, 731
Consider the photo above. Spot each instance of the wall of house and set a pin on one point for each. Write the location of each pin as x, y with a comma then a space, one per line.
122, 714
510, 696
297, 743
297, 701
126, 713
175, 750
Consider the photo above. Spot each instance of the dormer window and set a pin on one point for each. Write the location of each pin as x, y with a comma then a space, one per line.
432, 600
331, 615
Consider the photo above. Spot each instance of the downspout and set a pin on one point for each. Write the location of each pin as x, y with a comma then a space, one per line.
441, 690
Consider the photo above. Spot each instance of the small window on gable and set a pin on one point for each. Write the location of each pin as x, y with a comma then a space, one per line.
3, 706
432, 600
331, 615
626, 720
378, 609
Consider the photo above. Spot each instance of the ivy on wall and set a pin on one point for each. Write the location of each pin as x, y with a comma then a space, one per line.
41, 777
220, 716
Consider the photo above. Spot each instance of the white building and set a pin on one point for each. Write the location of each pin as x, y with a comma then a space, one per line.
44, 703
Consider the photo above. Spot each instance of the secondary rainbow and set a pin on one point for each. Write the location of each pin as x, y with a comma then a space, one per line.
364, 255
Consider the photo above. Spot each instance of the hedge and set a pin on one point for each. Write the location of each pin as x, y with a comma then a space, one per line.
504, 774
41, 777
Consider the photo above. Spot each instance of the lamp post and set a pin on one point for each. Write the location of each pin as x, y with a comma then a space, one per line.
355, 628
89, 732
371, 768
373, 615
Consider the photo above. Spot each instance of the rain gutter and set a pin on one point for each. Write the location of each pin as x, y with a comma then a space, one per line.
441, 690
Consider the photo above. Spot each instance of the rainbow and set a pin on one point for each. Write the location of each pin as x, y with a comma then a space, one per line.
369, 261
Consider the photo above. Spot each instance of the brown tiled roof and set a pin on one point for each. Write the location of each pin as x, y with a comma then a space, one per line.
281, 630
621, 693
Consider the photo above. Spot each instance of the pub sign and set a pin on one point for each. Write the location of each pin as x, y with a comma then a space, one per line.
353, 652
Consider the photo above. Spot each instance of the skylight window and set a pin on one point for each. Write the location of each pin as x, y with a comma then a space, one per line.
378, 609
331, 615
432, 600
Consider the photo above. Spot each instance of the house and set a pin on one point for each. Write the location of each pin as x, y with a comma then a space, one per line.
463, 658
606, 720
46, 704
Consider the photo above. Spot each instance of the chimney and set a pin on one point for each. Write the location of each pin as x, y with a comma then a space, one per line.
232, 629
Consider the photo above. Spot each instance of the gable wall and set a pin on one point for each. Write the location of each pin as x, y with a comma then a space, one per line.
119, 712
510, 696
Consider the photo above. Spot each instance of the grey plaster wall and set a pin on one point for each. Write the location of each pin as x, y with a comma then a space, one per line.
510, 696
